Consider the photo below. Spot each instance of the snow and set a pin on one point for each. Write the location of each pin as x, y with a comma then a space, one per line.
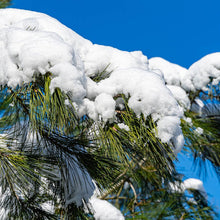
101, 57
197, 77
188, 120
105, 106
48, 207
181, 96
199, 131
168, 126
101, 209
189, 184
195, 184
123, 126
33, 43
104, 210
182, 81
172, 73
205, 69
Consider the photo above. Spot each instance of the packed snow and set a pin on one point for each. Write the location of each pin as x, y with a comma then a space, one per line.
180, 95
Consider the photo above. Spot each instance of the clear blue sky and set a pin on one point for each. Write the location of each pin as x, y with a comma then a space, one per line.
181, 31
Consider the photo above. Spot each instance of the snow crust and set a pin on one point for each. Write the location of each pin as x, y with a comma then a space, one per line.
33, 43
182, 82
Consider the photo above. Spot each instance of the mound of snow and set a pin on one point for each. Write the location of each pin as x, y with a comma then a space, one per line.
104, 210
33, 43
204, 70
189, 184
172, 73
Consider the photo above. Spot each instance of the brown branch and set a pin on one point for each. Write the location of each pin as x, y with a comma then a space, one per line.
135, 195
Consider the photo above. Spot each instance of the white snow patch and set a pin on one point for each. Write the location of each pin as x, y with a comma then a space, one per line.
105, 106
181, 96
199, 131
188, 184
168, 126
195, 184
104, 210
107, 58
188, 120
205, 69
123, 126
173, 73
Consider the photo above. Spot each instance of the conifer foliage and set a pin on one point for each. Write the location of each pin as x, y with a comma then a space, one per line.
55, 161
4, 3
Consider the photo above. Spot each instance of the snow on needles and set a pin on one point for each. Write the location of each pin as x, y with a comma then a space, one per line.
33, 43
189, 184
104, 210
206, 69
197, 77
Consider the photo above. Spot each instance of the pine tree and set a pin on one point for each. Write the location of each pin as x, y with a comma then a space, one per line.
50, 157
4, 3
42, 135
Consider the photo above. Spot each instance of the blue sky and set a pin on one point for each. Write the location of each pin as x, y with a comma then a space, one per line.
179, 31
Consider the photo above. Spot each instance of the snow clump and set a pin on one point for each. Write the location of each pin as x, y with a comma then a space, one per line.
189, 184
33, 43
104, 210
